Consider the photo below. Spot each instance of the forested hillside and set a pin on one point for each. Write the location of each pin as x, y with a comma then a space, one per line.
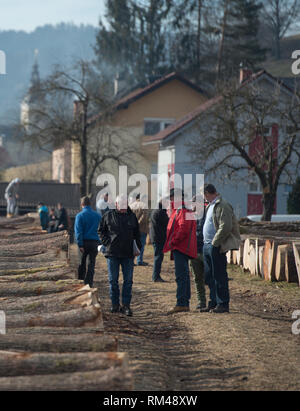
55, 44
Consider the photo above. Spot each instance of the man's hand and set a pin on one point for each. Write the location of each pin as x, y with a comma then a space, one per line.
81, 249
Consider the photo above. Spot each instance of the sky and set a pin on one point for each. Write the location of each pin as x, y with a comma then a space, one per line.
27, 15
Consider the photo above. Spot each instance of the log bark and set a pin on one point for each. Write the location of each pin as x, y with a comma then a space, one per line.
82, 317
281, 263
13, 364
51, 303
15, 266
58, 341
30, 238
269, 260
239, 254
296, 250
54, 275
27, 289
113, 379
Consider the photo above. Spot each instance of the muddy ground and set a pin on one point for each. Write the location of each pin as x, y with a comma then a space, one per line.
250, 348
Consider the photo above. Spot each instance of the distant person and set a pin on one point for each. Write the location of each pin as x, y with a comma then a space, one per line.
119, 229
52, 226
181, 241
86, 234
12, 195
44, 215
197, 264
62, 218
158, 232
103, 205
220, 234
140, 209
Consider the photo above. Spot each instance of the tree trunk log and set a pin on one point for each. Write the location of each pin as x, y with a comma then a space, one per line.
50, 303
83, 317
13, 364
269, 260
37, 288
58, 340
113, 379
296, 250
30, 238
54, 275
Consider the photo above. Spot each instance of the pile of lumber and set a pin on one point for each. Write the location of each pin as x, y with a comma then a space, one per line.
274, 258
54, 337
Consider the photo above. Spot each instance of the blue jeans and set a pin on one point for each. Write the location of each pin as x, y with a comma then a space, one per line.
113, 265
158, 259
182, 274
215, 265
143, 237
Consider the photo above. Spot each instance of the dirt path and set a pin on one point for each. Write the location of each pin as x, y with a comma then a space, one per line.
251, 348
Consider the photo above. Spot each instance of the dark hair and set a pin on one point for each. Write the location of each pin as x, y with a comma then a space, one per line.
86, 201
210, 189
138, 196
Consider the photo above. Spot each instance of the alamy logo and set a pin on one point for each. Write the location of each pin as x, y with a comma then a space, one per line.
2, 323
296, 64
296, 324
2, 62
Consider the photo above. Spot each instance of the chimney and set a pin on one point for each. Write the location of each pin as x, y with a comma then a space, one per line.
245, 73
77, 108
119, 84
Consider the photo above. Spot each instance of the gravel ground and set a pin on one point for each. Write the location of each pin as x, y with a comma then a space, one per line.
250, 348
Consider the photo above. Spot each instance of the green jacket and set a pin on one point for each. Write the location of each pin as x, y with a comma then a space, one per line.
227, 235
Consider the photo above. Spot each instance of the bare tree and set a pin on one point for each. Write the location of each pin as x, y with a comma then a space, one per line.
54, 121
280, 15
251, 130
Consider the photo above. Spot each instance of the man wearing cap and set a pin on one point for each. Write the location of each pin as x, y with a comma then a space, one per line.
119, 229
220, 234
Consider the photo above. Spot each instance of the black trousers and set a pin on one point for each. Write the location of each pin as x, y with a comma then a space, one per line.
90, 253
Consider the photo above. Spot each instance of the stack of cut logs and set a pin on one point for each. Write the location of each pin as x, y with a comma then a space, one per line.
53, 337
273, 257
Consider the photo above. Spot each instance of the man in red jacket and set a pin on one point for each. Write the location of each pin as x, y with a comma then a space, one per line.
182, 242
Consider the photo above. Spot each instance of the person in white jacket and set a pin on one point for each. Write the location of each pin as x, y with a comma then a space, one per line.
11, 195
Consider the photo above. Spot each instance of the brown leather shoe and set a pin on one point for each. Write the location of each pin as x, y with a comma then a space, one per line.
178, 309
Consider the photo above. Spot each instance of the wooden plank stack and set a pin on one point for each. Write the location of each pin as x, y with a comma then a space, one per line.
54, 336
273, 257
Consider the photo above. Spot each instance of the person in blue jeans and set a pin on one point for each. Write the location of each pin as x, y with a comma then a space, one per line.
86, 234
119, 229
158, 232
220, 234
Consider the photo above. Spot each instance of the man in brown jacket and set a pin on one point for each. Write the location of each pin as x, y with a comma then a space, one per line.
140, 209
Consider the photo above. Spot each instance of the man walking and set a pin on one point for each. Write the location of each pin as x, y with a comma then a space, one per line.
140, 209
158, 232
221, 234
119, 229
11, 195
181, 240
86, 233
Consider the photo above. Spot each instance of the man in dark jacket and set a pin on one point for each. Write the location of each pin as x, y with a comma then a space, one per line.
118, 230
62, 222
158, 232
86, 233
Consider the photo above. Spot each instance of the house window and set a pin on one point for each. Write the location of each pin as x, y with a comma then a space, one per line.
153, 126
254, 184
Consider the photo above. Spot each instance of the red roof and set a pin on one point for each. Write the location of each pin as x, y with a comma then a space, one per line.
200, 109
